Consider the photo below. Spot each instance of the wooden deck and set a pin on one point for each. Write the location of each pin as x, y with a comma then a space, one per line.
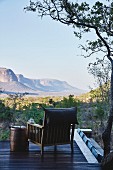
31, 160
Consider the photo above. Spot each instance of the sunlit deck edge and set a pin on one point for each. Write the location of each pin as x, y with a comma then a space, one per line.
84, 149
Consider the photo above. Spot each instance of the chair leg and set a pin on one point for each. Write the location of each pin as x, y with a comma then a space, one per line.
42, 151
72, 135
72, 150
55, 148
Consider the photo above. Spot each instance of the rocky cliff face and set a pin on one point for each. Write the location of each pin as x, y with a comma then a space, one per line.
9, 82
7, 75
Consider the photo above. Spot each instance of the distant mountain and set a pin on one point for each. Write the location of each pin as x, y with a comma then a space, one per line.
11, 82
46, 85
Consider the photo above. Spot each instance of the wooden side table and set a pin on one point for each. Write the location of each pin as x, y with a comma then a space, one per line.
18, 138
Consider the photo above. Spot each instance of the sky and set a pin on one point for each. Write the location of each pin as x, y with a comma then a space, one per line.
40, 48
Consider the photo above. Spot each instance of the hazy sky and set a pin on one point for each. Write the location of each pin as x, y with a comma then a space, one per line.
40, 48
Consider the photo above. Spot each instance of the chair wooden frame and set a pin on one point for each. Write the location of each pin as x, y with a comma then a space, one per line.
57, 129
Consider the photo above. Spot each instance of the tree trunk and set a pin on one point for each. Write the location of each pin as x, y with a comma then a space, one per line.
106, 136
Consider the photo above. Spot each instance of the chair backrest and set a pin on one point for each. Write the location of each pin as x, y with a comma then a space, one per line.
57, 123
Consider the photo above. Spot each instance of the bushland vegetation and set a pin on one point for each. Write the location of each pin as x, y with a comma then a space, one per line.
17, 110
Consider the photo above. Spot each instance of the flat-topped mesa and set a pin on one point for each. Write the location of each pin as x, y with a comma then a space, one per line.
7, 75
9, 81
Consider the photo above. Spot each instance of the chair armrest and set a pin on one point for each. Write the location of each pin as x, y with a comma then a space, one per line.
36, 125
34, 132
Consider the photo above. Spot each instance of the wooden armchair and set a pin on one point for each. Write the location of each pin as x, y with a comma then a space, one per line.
57, 129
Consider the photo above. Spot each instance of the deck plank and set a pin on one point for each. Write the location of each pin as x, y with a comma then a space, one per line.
31, 160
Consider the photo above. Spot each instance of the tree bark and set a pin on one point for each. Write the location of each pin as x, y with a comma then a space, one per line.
106, 136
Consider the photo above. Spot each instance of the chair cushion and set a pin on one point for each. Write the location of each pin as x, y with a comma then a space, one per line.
61, 115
